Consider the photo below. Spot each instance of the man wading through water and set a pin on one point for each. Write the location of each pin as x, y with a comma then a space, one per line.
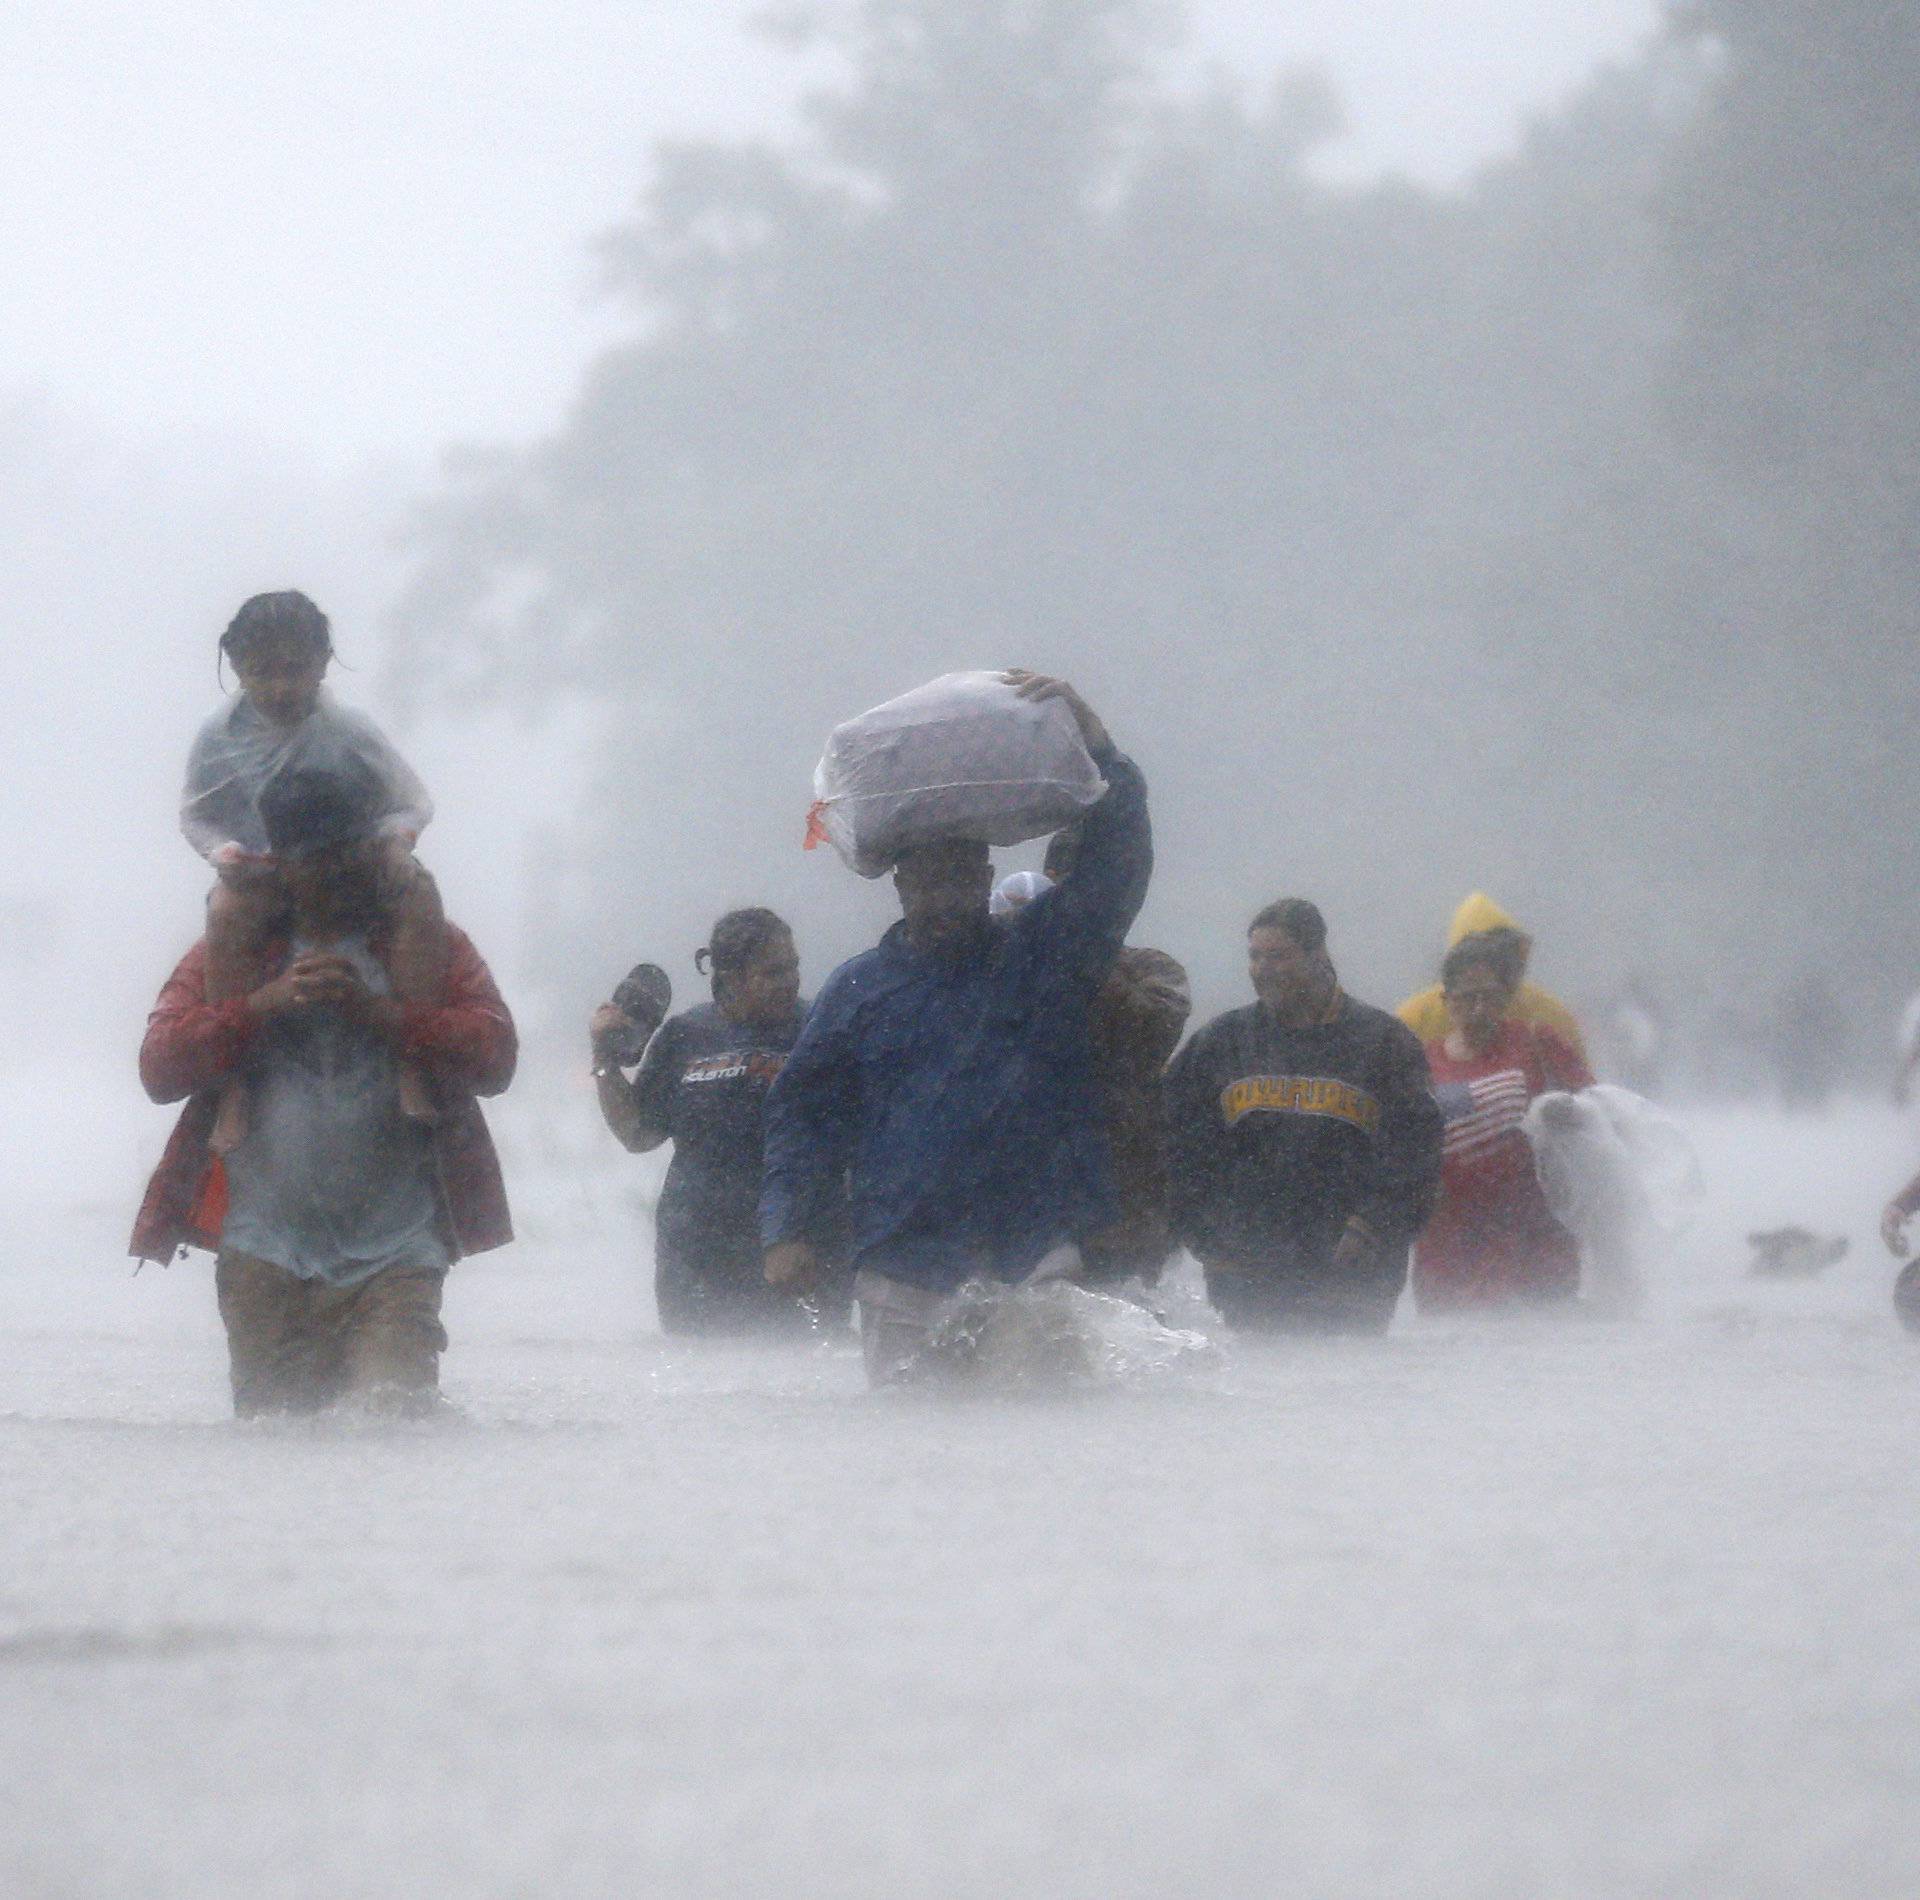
1306, 1145
337, 1215
1138, 1019
947, 1076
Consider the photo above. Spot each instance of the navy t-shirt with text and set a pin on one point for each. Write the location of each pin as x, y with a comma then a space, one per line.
704, 1079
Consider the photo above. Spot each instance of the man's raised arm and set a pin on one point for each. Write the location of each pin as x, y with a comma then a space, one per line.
1096, 905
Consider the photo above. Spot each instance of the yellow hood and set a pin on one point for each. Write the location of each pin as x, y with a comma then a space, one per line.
1476, 914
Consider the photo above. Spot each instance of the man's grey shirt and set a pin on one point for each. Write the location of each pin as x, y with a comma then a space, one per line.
332, 1181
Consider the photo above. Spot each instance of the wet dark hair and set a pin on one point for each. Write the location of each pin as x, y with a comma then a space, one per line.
286, 616
1487, 951
1298, 918
309, 808
736, 940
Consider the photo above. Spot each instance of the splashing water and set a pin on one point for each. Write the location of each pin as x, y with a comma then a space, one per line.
1056, 1336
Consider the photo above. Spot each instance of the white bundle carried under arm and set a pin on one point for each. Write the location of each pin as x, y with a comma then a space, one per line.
1621, 1177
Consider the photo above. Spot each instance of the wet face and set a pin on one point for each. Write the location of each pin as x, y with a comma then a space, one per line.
1287, 979
944, 893
282, 678
767, 989
1508, 950
1477, 999
336, 886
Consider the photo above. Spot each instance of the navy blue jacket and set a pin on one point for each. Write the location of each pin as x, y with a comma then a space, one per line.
956, 1096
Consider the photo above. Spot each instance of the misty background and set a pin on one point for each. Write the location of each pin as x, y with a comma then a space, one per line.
1459, 445
1455, 442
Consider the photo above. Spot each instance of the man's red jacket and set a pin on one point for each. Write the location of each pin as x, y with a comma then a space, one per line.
465, 1044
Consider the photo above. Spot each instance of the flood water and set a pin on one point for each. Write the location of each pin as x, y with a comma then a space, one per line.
1481, 1609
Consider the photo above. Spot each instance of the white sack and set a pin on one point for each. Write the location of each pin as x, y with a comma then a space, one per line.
1621, 1177
1016, 891
962, 757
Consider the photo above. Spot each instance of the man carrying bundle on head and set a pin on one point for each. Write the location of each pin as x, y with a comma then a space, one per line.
947, 1075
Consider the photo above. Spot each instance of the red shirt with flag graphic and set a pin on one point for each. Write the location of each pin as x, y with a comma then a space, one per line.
1491, 1236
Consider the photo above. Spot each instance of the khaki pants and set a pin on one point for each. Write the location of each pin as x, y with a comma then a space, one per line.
298, 1345
897, 1326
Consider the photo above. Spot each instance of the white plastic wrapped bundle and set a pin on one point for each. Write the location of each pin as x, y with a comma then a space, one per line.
963, 757
1621, 1177
1016, 891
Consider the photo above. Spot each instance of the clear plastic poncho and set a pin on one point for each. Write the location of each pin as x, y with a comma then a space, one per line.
239, 749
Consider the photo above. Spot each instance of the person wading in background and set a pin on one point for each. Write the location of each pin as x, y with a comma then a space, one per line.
702, 1085
1137, 1021
1305, 1142
1491, 1238
947, 1077
1481, 919
336, 1215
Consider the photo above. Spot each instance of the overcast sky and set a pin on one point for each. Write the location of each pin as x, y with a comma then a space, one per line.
359, 229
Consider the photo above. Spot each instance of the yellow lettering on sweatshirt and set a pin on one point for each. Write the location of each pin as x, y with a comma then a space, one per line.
1299, 1095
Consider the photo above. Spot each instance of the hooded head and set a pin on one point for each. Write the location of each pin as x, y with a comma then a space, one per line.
1480, 917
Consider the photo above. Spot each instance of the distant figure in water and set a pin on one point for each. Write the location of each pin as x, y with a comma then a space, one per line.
1306, 1143
1895, 1216
1893, 1230
336, 1215
702, 1084
1480, 920
1492, 1238
1137, 1021
947, 1078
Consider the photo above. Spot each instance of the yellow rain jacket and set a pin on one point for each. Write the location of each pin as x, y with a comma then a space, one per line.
1426, 1014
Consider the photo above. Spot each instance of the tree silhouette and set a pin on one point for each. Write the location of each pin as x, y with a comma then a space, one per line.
1552, 535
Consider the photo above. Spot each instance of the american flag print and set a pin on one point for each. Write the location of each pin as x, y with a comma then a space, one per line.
1483, 1112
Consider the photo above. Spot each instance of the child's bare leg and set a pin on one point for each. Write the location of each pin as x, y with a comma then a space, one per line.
238, 918
417, 955
417, 967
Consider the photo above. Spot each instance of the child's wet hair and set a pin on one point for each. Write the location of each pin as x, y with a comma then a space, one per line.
287, 617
